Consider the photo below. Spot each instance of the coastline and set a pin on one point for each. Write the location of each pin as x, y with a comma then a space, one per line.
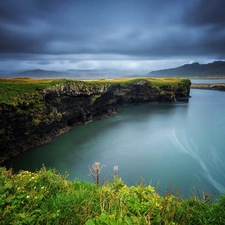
33, 112
218, 87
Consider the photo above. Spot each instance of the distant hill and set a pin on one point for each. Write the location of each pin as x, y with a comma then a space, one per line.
38, 74
76, 74
215, 69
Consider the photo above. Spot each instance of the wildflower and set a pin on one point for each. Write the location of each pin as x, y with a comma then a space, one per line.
96, 165
97, 170
115, 169
28, 196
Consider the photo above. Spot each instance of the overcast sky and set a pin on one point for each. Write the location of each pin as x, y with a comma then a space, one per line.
114, 34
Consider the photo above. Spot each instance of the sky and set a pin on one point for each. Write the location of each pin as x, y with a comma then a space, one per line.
110, 34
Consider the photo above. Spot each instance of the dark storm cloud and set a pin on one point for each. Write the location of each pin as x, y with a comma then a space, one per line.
207, 20
145, 29
208, 13
56, 27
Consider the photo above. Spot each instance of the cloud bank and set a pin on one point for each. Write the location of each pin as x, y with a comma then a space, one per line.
128, 34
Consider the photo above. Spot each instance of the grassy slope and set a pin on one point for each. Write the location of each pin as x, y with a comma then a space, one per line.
12, 91
46, 197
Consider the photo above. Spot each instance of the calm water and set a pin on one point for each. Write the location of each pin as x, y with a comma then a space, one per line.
182, 143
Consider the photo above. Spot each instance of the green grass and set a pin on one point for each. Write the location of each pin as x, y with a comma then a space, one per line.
12, 91
94, 97
154, 81
45, 197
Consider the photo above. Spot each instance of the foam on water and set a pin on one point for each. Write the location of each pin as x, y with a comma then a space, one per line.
209, 160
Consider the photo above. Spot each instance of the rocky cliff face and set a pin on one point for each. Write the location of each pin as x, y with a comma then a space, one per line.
40, 117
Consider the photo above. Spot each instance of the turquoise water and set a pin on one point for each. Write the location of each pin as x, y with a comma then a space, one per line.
178, 143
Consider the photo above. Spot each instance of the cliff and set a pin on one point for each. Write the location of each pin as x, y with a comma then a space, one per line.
32, 112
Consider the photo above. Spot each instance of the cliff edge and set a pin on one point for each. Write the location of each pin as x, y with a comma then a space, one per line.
32, 112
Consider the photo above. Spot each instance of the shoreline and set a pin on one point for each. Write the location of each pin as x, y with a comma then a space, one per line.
218, 87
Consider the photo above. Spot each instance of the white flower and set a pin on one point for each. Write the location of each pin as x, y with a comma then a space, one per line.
115, 168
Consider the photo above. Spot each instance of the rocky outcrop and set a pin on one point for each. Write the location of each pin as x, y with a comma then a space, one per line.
39, 117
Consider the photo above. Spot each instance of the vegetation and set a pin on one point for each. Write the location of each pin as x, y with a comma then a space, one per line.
13, 91
45, 197
26, 91
153, 81
94, 97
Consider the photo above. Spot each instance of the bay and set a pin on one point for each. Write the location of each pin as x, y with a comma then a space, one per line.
180, 143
